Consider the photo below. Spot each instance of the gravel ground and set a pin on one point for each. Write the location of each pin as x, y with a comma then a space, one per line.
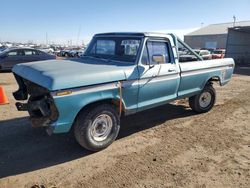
169, 146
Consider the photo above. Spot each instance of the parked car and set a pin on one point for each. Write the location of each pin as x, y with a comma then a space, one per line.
73, 53
80, 52
57, 52
218, 54
209, 49
64, 53
205, 54
187, 56
13, 56
47, 50
76, 52
119, 74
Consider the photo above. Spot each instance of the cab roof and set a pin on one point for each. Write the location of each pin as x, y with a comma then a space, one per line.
136, 34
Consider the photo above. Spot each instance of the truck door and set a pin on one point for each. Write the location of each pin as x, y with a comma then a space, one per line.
158, 83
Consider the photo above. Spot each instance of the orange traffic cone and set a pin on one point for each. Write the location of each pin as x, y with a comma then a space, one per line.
3, 96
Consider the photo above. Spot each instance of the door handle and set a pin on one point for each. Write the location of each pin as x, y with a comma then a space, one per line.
171, 70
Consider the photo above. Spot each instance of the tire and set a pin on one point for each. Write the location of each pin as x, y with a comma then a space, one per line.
204, 101
97, 127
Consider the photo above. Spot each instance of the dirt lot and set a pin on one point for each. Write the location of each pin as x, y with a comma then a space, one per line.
166, 147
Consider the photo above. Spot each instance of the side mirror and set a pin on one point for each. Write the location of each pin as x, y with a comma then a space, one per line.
160, 59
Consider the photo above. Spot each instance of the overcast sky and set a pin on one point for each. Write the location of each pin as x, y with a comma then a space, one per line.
78, 20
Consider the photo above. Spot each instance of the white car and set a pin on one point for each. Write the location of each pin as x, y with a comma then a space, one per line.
205, 54
48, 50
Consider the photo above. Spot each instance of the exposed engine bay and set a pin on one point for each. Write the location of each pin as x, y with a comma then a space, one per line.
40, 104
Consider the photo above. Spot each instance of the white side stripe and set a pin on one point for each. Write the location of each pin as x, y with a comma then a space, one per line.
87, 89
201, 71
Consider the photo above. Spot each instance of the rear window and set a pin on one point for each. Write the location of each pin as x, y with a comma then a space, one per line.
130, 46
106, 47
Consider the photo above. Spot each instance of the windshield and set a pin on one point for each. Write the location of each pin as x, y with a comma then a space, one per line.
3, 50
114, 48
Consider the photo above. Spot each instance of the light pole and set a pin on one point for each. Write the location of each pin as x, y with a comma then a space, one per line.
234, 20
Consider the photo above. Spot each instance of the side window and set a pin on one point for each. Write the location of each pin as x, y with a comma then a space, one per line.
20, 52
158, 48
12, 53
34, 52
28, 52
39, 53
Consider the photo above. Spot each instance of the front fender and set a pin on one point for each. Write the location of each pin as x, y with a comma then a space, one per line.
70, 105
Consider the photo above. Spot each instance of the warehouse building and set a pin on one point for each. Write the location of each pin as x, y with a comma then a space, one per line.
212, 36
234, 37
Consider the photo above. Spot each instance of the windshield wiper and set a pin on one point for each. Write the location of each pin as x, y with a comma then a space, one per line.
92, 56
107, 59
97, 56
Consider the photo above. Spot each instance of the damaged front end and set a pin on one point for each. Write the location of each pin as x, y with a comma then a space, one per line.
40, 104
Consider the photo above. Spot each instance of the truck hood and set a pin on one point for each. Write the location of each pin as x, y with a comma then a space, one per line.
63, 74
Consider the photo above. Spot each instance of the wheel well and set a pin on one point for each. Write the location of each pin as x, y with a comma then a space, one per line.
215, 79
114, 102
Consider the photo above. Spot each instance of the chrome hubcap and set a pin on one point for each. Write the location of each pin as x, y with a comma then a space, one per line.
101, 127
205, 99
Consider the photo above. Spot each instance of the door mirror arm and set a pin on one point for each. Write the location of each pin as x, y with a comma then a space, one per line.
151, 65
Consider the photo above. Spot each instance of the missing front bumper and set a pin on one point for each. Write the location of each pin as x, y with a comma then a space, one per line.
40, 104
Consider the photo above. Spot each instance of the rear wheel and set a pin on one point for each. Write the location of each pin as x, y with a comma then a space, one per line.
204, 101
96, 128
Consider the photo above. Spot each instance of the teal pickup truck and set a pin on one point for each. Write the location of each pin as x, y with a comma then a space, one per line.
119, 74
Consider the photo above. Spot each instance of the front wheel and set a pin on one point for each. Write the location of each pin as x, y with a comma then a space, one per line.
204, 101
96, 128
